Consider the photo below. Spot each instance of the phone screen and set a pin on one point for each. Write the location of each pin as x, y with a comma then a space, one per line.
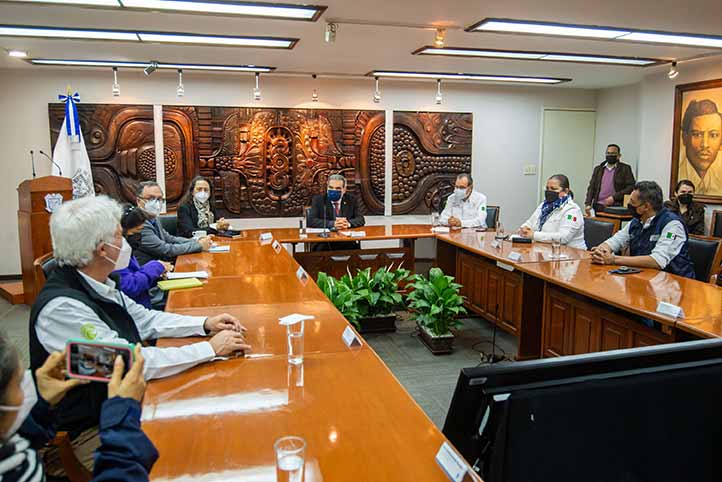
93, 361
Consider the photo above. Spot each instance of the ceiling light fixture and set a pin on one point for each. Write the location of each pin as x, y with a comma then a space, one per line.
180, 91
532, 55
439, 97
477, 77
440, 37
257, 88
18, 54
143, 65
502, 25
139, 36
314, 95
673, 71
116, 86
245, 9
377, 92
329, 35
152, 67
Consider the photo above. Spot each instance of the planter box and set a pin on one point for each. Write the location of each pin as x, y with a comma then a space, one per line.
378, 324
438, 345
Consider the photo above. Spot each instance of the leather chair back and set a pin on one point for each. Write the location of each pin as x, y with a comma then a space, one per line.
169, 223
703, 252
492, 216
597, 231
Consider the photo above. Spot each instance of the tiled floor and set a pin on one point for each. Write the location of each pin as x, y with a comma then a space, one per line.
429, 379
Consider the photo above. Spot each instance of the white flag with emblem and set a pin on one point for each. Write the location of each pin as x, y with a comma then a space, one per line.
70, 154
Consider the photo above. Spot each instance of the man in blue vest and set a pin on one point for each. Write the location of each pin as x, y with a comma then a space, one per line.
656, 237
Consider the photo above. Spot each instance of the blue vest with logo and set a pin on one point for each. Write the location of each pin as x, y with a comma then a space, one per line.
643, 240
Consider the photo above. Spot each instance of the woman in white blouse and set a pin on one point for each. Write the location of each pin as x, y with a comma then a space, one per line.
558, 217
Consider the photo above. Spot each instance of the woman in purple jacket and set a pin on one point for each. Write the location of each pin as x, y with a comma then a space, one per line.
136, 281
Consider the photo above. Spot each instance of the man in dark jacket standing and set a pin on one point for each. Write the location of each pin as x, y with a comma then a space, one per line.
611, 181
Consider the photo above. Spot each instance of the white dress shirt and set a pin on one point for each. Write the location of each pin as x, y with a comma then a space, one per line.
565, 223
471, 211
63, 318
669, 244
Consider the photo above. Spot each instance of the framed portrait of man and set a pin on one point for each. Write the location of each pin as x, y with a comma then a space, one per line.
696, 153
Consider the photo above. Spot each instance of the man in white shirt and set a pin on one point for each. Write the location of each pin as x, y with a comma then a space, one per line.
465, 208
79, 301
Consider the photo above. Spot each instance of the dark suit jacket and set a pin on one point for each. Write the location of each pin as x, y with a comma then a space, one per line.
349, 210
693, 217
188, 220
623, 183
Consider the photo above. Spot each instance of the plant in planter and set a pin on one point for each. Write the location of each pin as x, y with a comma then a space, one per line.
435, 304
343, 297
380, 297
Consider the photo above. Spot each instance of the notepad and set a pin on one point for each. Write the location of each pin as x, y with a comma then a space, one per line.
187, 274
179, 284
224, 248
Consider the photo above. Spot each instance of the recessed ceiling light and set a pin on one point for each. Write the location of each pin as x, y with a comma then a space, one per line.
530, 55
246, 9
143, 65
596, 32
20, 54
66, 33
462, 76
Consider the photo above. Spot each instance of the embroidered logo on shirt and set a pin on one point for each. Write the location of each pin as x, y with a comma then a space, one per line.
483, 208
88, 332
671, 236
571, 218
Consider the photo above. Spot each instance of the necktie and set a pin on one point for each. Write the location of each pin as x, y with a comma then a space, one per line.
337, 207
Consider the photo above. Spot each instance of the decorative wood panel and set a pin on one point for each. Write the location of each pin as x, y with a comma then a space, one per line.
429, 150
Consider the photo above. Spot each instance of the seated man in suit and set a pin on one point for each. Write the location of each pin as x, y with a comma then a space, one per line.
656, 237
336, 210
465, 208
153, 242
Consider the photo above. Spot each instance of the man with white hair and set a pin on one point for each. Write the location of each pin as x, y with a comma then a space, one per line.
79, 300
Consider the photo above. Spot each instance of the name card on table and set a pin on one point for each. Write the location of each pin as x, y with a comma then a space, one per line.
440, 229
350, 338
354, 234
451, 463
505, 266
294, 318
223, 248
669, 309
265, 238
276, 246
302, 275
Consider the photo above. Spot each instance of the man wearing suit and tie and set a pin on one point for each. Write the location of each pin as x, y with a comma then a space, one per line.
340, 211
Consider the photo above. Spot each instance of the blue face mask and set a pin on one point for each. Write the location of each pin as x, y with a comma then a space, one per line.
333, 195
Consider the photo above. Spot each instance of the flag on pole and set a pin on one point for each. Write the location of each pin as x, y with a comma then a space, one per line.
70, 153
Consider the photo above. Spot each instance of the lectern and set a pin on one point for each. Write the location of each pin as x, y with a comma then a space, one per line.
37, 198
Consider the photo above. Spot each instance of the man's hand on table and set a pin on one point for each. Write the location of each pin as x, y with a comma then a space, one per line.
228, 342
224, 321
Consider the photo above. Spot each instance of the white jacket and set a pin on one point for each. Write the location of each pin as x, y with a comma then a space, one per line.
566, 222
471, 212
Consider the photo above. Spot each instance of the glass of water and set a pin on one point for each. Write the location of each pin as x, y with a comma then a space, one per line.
294, 333
556, 247
500, 234
290, 458
434, 219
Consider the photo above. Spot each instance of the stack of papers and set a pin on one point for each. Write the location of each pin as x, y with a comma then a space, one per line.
187, 274
179, 284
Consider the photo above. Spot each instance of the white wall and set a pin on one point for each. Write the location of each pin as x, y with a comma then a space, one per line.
618, 122
506, 121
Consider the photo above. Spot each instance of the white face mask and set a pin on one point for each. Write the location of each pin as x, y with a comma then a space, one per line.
30, 398
154, 206
123, 259
460, 194
202, 196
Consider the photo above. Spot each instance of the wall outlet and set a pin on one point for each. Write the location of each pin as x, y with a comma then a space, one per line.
530, 170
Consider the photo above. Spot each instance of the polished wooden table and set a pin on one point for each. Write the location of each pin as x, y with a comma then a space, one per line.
373, 233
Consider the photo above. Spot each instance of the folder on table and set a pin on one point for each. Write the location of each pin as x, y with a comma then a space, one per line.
179, 284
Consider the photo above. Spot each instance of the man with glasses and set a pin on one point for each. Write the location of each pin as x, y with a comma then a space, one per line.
154, 242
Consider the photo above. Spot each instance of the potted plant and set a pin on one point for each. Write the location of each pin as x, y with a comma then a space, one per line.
435, 304
342, 296
380, 297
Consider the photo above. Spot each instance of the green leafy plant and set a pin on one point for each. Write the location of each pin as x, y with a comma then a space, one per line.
343, 297
435, 302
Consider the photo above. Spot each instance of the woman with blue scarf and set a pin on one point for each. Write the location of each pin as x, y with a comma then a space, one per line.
558, 217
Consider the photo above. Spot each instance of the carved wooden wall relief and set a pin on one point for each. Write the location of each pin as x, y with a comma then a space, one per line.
429, 150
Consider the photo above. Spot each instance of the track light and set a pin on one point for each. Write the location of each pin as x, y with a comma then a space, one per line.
257, 88
116, 86
151, 68
329, 35
440, 37
673, 72
180, 91
377, 92
314, 95
439, 97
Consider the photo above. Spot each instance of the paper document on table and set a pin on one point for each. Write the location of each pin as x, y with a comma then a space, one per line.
225, 248
440, 229
187, 274
294, 318
353, 234
316, 230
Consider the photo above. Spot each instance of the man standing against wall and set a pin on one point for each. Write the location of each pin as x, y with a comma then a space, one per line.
611, 181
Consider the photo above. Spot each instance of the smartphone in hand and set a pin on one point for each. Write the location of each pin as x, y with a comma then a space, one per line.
90, 360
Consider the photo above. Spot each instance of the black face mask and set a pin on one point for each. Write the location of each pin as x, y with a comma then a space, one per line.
633, 211
611, 158
685, 199
551, 196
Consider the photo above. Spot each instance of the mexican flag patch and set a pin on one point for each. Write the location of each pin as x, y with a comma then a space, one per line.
571, 218
671, 236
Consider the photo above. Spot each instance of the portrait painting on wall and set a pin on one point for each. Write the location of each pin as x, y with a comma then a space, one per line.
697, 139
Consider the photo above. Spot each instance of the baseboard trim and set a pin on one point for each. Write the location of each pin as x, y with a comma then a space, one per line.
10, 277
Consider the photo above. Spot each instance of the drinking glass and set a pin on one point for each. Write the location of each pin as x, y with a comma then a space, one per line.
434, 219
295, 343
556, 247
500, 234
290, 458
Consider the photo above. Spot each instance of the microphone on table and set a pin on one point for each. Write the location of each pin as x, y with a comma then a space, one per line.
324, 233
60, 171
32, 162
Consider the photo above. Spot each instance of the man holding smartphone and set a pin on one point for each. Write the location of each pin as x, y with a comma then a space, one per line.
79, 300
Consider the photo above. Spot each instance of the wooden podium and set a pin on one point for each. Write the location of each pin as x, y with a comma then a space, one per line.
35, 198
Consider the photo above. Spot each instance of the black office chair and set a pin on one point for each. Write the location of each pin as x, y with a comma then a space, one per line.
716, 229
169, 223
703, 252
597, 231
492, 216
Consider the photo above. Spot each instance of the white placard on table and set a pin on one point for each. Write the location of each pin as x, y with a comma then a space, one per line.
670, 310
350, 338
452, 465
276, 246
505, 266
187, 274
266, 236
223, 248
354, 234
294, 318
302, 275
317, 230
440, 229
514, 256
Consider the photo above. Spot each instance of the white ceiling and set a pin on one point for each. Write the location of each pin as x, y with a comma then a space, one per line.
361, 48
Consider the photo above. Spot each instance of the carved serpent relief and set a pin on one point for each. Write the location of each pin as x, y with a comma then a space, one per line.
429, 150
